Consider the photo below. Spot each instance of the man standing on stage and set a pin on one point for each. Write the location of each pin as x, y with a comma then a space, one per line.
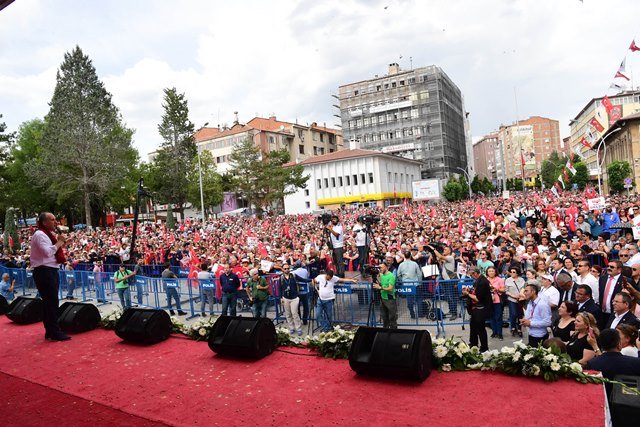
46, 257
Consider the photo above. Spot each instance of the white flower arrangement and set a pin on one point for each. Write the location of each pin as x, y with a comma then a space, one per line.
109, 321
335, 344
199, 330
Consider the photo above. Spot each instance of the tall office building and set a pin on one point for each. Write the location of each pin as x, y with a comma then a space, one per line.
417, 114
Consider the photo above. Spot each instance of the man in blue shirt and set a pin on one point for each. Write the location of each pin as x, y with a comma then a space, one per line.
610, 218
229, 283
537, 316
6, 287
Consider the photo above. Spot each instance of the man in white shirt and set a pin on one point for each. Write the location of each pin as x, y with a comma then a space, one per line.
549, 293
337, 241
46, 256
324, 285
360, 234
586, 278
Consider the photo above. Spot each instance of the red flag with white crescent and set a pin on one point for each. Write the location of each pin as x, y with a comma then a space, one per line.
596, 124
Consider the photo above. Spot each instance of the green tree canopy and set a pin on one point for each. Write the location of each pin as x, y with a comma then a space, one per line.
86, 149
10, 232
175, 159
617, 171
581, 177
452, 190
262, 179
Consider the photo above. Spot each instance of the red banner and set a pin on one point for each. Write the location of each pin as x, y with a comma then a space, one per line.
596, 124
615, 114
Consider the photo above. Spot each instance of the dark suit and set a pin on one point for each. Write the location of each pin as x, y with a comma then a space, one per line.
629, 318
602, 284
570, 295
613, 363
480, 312
591, 307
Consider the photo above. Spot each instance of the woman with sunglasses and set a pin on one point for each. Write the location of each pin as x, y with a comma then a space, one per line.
514, 284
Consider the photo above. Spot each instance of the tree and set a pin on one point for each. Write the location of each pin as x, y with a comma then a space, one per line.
552, 168
20, 193
11, 239
581, 177
6, 142
452, 190
175, 158
211, 182
171, 221
476, 185
465, 187
617, 171
86, 149
486, 186
262, 179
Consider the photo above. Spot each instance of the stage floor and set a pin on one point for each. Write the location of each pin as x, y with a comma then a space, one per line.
181, 382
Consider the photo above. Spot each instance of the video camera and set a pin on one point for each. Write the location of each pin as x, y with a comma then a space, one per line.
369, 219
325, 218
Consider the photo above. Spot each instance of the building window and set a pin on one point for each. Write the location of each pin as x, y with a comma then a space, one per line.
355, 179
315, 134
321, 137
307, 205
370, 178
340, 181
362, 180
326, 183
348, 178
331, 150
333, 182
389, 176
272, 140
301, 149
395, 177
319, 183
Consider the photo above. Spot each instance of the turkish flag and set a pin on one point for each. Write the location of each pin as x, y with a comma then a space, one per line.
566, 175
596, 124
633, 47
584, 142
607, 103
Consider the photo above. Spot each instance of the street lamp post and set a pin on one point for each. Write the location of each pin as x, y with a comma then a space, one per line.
604, 156
466, 174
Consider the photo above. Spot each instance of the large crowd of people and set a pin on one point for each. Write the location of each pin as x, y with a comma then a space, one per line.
561, 269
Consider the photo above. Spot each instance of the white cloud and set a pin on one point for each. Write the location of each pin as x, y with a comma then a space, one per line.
287, 57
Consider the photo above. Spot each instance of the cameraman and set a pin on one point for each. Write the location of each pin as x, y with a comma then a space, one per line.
337, 241
386, 284
360, 234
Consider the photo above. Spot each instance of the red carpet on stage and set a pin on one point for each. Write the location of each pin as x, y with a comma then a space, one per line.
96, 379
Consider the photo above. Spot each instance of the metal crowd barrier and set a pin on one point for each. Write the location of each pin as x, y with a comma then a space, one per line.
420, 304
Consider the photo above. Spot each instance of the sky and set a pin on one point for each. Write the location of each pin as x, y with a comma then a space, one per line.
288, 57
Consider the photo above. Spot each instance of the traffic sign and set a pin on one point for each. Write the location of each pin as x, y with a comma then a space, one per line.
628, 183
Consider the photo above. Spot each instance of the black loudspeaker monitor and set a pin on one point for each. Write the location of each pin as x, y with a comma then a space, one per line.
25, 310
392, 353
77, 317
625, 405
143, 325
4, 305
243, 337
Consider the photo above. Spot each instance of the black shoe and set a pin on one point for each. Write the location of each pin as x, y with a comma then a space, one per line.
493, 335
59, 337
304, 322
181, 313
172, 312
453, 317
500, 337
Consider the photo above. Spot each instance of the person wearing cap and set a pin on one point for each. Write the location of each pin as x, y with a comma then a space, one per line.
337, 241
549, 293
537, 316
360, 235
